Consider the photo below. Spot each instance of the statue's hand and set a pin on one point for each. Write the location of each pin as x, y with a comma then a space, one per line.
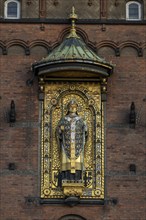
62, 127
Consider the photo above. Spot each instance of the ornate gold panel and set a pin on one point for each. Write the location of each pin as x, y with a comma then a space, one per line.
87, 95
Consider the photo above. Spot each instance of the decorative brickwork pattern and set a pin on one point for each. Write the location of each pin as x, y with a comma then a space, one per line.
125, 46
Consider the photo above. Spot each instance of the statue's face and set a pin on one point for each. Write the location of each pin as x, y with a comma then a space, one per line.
73, 108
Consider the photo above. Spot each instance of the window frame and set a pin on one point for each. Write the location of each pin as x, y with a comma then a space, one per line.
6, 16
139, 11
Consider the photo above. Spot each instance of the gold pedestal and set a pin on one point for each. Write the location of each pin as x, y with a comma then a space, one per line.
72, 188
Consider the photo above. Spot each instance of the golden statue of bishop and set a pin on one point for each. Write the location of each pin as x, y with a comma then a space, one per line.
72, 136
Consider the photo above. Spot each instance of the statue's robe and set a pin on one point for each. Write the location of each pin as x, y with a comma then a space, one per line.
72, 132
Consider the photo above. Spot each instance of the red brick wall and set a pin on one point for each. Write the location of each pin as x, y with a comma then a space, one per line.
124, 146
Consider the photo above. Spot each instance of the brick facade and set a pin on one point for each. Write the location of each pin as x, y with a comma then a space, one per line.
23, 43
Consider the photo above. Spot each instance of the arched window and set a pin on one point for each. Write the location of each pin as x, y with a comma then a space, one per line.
72, 217
133, 10
12, 9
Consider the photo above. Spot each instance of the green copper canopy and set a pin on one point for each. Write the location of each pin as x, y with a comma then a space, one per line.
72, 48
73, 54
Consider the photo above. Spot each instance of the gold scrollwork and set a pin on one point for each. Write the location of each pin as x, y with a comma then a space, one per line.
88, 97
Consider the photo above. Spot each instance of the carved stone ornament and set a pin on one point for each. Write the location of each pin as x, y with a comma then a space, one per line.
72, 141
72, 91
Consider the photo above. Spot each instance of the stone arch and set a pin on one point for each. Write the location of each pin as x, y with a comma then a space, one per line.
72, 217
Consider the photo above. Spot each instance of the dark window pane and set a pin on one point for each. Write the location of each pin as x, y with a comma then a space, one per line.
133, 11
12, 9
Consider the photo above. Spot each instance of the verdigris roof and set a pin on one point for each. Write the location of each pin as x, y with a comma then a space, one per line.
73, 48
73, 54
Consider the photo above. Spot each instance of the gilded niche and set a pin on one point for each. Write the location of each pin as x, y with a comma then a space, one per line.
72, 141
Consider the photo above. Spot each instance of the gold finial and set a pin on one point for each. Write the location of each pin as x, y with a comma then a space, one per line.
73, 17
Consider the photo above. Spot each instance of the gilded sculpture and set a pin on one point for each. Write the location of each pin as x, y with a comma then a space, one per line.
72, 141
72, 137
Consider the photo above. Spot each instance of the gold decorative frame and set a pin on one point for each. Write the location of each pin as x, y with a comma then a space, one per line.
56, 96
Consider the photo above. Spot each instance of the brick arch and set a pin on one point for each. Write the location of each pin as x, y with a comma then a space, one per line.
84, 36
39, 48
2, 48
16, 50
39, 51
110, 46
17, 44
128, 51
81, 33
2, 45
133, 45
106, 51
72, 217
42, 43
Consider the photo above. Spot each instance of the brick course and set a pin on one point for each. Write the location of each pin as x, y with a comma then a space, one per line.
124, 146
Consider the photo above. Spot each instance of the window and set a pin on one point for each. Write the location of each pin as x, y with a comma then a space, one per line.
133, 10
12, 9
72, 217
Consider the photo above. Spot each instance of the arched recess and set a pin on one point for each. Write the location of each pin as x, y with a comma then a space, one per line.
72, 217
131, 48
16, 50
106, 51
16, 47
129, 51
39, 51
39, 48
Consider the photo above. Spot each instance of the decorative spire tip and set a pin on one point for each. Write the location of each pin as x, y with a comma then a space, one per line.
73, 17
